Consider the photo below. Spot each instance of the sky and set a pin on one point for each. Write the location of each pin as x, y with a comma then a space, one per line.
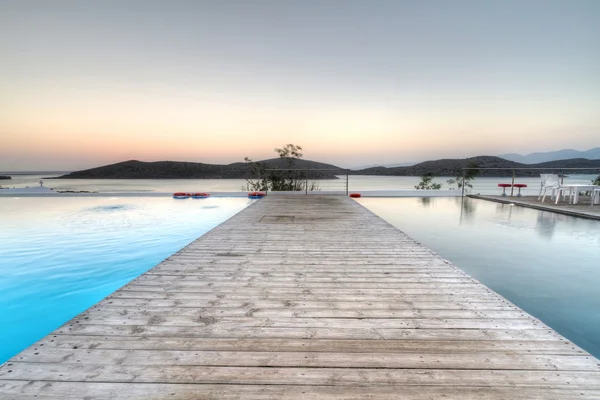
88, 83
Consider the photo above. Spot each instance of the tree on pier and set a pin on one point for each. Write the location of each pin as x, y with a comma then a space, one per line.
288, 178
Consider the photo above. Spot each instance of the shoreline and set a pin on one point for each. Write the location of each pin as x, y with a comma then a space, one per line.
364, 193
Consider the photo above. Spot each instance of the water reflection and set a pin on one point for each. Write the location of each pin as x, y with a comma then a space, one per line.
425, 201
546, 263
504, 213
467, 208
546, 222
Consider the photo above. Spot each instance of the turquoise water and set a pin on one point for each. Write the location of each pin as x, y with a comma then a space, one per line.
58, 256
548, 264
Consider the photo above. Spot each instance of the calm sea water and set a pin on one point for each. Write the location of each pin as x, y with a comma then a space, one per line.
548, 264
59, 256
355, 183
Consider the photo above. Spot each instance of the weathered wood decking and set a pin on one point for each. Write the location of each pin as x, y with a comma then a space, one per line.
307, 297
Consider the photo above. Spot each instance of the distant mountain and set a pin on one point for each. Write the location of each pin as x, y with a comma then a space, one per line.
453, 167
300, 164
404, 164
591, 154
134, 169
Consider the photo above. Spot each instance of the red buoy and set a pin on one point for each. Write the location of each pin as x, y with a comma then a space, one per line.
355, 195
181, 195
256, 195
200, 195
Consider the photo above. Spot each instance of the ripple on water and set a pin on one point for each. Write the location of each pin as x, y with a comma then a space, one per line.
111, 208
60, 256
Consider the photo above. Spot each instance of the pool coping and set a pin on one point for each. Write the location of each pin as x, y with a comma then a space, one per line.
550, 208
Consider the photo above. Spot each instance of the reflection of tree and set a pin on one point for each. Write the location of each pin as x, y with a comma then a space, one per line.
467, 208
507, 209
502, 207
426, 201
546, 223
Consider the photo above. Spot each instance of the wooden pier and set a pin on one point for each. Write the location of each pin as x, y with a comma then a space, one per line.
303, 297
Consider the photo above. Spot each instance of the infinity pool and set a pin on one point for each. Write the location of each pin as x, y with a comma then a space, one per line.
548, 264
58, 256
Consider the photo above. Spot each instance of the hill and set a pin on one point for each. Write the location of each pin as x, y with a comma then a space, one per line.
300, 164
134, 169
453, 167
404, 164
540, 157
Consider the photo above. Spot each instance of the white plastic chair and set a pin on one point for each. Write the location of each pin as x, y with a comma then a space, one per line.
544, 177
552, 182
595, 196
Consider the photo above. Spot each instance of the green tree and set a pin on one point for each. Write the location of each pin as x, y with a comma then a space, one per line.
427, 183
288, 178
596, 181
466, 178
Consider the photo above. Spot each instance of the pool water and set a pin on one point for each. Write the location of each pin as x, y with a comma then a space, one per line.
59, 256
547, 264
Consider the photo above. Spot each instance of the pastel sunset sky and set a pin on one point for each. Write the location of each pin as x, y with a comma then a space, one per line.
355, 82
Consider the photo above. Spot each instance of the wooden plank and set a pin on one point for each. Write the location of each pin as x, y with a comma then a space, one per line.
337, 305
310, 345
307, 333
308, 295
189, 287
286, 304
252, 318
482, 360
179, 315
334, 323
57, 390
74, 372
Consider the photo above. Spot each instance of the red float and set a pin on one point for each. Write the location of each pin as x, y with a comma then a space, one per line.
256, 195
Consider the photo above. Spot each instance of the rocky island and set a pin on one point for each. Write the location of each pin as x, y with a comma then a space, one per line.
498, 167
134, 169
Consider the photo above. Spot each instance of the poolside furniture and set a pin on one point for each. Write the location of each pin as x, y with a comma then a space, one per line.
596, 196
519, 185
543, 184
574, 190
550, 182
504, 186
